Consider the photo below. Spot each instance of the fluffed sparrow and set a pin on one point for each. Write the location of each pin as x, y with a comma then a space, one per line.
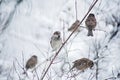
56, 40
82, 64
31, 63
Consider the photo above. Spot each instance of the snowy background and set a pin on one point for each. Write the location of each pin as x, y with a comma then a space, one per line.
26, 27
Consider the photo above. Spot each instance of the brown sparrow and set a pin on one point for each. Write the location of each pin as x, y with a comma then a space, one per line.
74, 25
90, 23
82, 64
31, 63
56, 41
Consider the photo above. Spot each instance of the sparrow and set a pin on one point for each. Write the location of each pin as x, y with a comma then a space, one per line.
90, 23
56, 41
82, 64
31, 63
74, 25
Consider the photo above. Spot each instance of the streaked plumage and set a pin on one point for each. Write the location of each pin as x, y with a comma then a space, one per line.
74, 25
82, 64
31, 63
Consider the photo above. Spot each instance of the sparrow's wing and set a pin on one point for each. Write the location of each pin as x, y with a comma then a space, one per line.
28, 64
74, 25
51, 41
31, 63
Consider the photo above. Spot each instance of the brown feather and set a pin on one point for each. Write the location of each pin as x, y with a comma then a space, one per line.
82, 64
31, 62
74, 25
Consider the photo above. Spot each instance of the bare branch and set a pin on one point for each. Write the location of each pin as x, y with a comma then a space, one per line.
37, 75
76, 9
16, 71
68, 39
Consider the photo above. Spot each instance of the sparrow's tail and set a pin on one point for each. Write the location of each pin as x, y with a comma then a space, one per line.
90, 32
70, 70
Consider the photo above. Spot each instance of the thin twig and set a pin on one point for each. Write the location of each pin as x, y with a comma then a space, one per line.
113, 78
68, 39
113, 73
74, 75
76, 9
94, 29
43, 71
22, 67
37, 75
63, 31
90, 76
39, 49
18, 63
10, 72
16, 70
23, 61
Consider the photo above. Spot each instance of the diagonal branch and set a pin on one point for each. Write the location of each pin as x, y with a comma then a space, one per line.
68, 39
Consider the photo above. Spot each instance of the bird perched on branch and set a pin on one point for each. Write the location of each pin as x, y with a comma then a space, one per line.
90, 23
82, 64
75, 25
56, 41
31, 63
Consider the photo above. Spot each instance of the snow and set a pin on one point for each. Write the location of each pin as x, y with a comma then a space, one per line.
30, 31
